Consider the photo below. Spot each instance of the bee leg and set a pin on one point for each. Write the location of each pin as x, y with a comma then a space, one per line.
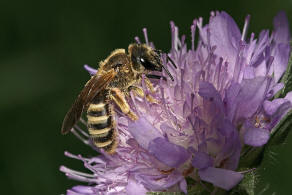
118, 97
149, 85
149, 97
139, 92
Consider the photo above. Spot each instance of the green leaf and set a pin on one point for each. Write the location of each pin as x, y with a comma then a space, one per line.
282, 129
197, 188
247, 185
251, 157
286, 79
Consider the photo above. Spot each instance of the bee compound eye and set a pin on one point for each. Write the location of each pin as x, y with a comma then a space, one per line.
142, 60
147, 64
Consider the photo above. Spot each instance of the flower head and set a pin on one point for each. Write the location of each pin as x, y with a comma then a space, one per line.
221, 99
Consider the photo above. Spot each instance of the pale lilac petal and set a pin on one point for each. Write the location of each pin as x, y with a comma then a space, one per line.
83, 189
221, 178
251, 96
134, 188
230, 152
70, 192
143, 132
90, 70
208, 91
230, 99
225, 128
183, 186
202, 160
278, 114
256, 137
170, 154
225, 35
289, 96
281, 26
281, 57
159, 182
258, 56
234, 155
260, 67
276, 88
282, 46
249, 73
271, 107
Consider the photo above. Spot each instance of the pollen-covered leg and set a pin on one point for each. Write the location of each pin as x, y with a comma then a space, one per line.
149, 85
149, 97
118, 97
139, 92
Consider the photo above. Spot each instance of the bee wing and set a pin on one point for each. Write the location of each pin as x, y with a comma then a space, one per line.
90, 90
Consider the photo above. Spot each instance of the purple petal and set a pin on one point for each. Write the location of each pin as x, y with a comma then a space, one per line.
90, 70
222, 178
225, 128
258, 57
281, 57
232, 161
70, 192
230, 152
202, 160
256, 137
225, 35
159, 182
281, 26
167, 129
282, 45
275, 89
271, 107
183, 186
134, 188
230, 99
289, 96
278, 113
143, 131
249, 73
170, 154
208, 92
83, 189
251, 96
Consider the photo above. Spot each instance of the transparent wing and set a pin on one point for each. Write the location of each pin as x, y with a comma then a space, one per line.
90, 90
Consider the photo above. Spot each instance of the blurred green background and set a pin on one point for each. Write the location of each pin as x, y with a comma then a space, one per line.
43, 46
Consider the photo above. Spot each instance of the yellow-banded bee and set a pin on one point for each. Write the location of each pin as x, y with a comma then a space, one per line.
117, 75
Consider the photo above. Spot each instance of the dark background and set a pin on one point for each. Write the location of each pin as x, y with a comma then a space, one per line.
43, 46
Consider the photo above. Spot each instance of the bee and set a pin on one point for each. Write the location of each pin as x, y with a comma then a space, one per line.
117, 75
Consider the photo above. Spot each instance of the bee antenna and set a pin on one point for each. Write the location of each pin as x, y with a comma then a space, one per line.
152, 76
172, 62
166, 70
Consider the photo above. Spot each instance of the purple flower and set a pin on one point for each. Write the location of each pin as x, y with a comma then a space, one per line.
221, 99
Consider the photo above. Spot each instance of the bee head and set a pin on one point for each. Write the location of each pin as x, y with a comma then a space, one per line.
145, 59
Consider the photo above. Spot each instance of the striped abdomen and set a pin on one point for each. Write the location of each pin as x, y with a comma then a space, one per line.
101, 125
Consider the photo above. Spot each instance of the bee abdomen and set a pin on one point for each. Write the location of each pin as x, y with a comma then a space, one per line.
100, 109
101, 126
101, 139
